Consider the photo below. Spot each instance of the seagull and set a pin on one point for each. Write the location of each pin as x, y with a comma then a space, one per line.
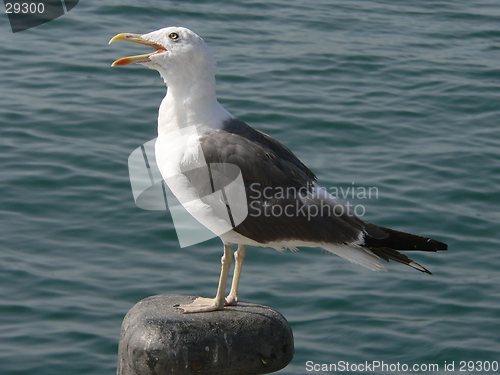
282, 205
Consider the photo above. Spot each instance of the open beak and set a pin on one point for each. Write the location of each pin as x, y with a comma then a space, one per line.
135, 38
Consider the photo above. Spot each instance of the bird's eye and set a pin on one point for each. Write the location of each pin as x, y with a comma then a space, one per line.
173, 36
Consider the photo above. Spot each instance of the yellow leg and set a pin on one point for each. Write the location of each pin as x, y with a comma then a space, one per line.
201, 304
239, 257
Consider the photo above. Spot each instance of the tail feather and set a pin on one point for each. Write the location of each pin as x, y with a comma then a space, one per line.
358, 255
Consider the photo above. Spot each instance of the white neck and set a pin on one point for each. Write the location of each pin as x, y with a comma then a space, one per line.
190, 101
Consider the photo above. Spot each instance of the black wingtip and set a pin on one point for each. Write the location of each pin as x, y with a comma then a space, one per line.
442, 246
391, 254
435, 245
404, 241
419, 267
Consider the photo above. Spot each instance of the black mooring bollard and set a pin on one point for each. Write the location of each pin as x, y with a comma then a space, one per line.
157, 339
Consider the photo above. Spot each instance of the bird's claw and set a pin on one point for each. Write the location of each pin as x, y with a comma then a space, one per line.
199, 305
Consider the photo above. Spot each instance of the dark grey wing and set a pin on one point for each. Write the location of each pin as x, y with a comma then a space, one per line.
263, 161
279, 190
274, 150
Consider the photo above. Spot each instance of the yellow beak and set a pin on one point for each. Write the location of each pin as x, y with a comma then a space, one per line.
135, 38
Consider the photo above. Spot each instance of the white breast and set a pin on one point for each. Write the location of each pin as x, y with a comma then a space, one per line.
180, 155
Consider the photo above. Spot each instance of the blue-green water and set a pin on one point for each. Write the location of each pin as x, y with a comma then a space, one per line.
403, 97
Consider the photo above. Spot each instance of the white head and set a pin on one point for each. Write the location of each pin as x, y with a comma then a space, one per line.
180, 56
